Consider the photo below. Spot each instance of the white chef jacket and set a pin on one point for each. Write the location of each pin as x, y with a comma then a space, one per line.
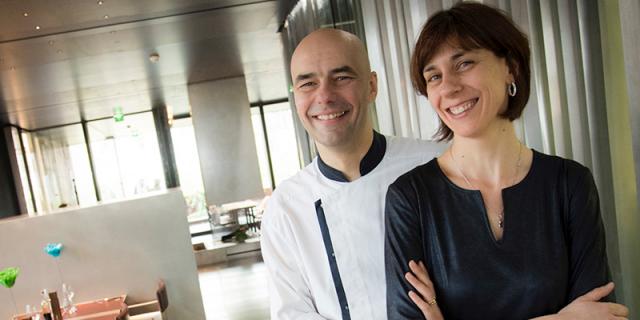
300, 258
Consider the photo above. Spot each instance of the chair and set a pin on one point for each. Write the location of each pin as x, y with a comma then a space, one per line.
151, 310
124, 312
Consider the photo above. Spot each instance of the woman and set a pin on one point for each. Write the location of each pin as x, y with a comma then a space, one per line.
504, 231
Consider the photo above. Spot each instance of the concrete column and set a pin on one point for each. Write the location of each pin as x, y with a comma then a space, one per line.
225, 140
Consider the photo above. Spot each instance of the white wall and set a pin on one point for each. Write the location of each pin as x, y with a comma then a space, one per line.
112, 249
225, 140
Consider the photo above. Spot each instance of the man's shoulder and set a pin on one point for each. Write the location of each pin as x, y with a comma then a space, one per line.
302, 180
293, 192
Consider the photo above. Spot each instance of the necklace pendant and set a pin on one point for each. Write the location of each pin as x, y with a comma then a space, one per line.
501, 221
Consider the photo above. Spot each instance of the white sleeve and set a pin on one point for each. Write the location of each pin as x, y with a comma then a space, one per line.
289, 293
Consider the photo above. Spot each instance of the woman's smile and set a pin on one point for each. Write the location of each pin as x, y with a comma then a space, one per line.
461, 109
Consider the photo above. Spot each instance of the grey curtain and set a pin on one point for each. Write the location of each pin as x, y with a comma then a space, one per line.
305, 17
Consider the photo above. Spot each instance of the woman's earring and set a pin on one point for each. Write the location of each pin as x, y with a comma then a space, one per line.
512, 89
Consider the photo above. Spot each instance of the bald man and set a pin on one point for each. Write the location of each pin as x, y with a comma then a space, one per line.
323, 229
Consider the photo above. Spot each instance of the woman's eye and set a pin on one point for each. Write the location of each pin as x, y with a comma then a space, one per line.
432, 78
465, 64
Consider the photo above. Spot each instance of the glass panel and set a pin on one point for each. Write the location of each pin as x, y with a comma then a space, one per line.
261, 148
59, 168
188, 165
322, 13
35, 176
126, 156
28, 198
282, 141
346, 16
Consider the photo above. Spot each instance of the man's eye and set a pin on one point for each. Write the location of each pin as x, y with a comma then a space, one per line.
342, 78
306, 84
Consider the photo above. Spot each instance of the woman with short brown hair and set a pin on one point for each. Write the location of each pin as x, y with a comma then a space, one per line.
493, 229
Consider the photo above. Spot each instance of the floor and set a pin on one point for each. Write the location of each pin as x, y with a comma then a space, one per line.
235, 290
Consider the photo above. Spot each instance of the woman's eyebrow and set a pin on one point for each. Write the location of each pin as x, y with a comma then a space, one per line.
453, 57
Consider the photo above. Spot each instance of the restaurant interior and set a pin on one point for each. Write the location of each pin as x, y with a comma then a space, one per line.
141, 140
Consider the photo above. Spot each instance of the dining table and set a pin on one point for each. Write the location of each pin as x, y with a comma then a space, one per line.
99, 309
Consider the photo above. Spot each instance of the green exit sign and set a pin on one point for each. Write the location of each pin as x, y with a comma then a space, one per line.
118, 115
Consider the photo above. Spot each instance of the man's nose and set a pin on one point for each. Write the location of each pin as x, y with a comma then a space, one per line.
450, 84
325, 94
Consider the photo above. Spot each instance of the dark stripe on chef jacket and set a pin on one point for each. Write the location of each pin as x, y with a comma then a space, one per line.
367, 164
333, 263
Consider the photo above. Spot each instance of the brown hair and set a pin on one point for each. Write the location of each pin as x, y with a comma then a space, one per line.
470, 25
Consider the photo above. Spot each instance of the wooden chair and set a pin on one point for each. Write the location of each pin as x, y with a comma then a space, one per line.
152, 310
124, 312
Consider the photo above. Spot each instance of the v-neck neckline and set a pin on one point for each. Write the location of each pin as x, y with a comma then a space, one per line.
478, 196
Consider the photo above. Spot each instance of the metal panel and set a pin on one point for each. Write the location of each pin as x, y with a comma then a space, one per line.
80, 65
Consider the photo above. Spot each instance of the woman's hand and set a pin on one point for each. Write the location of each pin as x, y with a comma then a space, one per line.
588, 306
425, 299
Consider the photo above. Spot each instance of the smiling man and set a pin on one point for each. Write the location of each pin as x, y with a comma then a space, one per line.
323, 229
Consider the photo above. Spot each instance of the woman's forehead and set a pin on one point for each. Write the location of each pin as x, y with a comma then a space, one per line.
452, 45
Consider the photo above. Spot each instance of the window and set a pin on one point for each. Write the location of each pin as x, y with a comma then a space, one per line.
126, 156
188, 165
22, 169
275, 142
59, 168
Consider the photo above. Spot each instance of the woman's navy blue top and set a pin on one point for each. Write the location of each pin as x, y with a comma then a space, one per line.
552, 249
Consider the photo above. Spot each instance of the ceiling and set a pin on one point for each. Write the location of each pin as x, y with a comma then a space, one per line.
70, 60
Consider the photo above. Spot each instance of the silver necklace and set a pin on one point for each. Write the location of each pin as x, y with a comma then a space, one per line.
515, 176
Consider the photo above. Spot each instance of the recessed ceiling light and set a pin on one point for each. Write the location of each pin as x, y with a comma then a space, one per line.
112, 32
51, 42
100, 2
37, 27
26, 14
106, 16
154, 57
59, 51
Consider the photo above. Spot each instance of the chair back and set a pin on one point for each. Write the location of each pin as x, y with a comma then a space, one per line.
161, 294
124, 312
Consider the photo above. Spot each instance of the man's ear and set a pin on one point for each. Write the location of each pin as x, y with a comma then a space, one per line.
373, 86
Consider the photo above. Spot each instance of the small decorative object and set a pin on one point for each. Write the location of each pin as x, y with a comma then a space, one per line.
67, 300
53, 249
30, 312
8, 278
241, 234
45, 305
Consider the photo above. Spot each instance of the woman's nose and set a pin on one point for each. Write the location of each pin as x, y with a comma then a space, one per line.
450, 84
